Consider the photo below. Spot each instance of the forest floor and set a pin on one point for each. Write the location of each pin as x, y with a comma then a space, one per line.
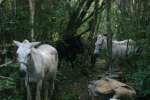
74, 84
71, 83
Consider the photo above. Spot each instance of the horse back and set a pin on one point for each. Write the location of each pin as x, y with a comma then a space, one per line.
45, 59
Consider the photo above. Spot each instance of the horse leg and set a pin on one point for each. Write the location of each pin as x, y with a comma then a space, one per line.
38, 90
29, 97
52, 87
46, 86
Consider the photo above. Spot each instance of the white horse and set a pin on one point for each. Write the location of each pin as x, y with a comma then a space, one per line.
39, 66
124, 42
119, 48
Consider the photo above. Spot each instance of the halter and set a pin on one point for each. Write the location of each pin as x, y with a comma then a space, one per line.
26, 64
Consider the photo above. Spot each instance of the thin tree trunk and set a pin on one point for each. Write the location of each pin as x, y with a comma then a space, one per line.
1, 1
32, 14
109, 34
95, 18
93, 28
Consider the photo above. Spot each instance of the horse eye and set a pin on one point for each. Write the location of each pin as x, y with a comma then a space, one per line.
29, 55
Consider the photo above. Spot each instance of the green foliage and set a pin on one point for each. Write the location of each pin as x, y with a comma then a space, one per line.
70, 96
9, 86
12, 98
54, 18
139, 75
131, 21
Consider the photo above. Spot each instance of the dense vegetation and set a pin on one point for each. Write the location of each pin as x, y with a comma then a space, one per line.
70, 26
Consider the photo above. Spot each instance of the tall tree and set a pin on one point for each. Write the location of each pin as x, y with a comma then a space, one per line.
94, 26
1, 1
77, 17
32, 14
109, 33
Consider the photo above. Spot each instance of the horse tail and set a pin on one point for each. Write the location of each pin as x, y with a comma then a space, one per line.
56, 58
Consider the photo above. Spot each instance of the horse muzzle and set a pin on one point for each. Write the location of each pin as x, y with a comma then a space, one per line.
22, 73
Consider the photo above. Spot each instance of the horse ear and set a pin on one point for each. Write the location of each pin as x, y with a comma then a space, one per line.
35, 43
17, 43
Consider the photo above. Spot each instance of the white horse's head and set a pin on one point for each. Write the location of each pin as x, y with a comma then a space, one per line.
99, 44
23, 53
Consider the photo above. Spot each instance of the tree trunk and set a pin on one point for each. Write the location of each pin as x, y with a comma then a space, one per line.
109, 34
1, 1
94, 31
32, 13
94, 28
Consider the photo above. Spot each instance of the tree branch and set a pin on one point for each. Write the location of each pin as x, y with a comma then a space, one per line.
88, 17
10, 62
83, 32
101, 8
4, 77
83, 13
